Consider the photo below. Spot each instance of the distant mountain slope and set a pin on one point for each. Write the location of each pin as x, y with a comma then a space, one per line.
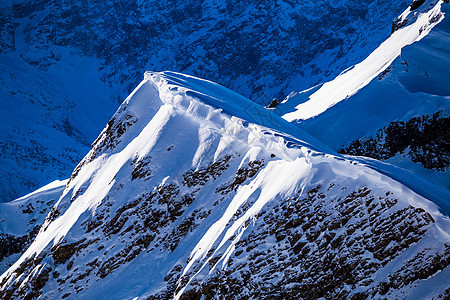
48, 121
388, 114
64, 66
20, 221
180, 198
256, 48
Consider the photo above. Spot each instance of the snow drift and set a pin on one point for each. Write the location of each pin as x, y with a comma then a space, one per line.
192, 190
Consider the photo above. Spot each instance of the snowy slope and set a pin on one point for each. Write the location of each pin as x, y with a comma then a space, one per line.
186, 194
64, 65
21, 219
357, 105
418, 24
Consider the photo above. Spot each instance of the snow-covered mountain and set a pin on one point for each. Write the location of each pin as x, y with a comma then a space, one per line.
194, 191
64, 65
395, 104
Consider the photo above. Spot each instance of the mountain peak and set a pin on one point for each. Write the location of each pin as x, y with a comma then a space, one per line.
192, 191
184, 192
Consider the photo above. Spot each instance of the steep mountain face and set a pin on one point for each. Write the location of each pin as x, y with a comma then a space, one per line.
394, 105
66, 64
194, 191
423, 140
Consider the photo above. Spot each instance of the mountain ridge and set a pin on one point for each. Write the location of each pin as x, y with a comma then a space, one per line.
68, 56
411, 91
193, 191
180, 213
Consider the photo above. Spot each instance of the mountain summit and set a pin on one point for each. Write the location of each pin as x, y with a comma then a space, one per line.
193, 191
65, 66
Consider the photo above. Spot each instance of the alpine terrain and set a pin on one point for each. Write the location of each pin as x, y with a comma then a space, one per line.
398, 97
65, 66
194, 191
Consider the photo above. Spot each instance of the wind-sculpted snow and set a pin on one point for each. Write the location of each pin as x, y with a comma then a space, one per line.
65, 66
179, 198
228, 102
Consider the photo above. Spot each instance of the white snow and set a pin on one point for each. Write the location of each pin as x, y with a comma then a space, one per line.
279, 178
355, 78
19, 217
202, 122
14, 221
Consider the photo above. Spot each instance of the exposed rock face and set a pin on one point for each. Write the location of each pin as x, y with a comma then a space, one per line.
10, 244
424, 139
263, 217
66, 65
21, 220
299, 249
416, 4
